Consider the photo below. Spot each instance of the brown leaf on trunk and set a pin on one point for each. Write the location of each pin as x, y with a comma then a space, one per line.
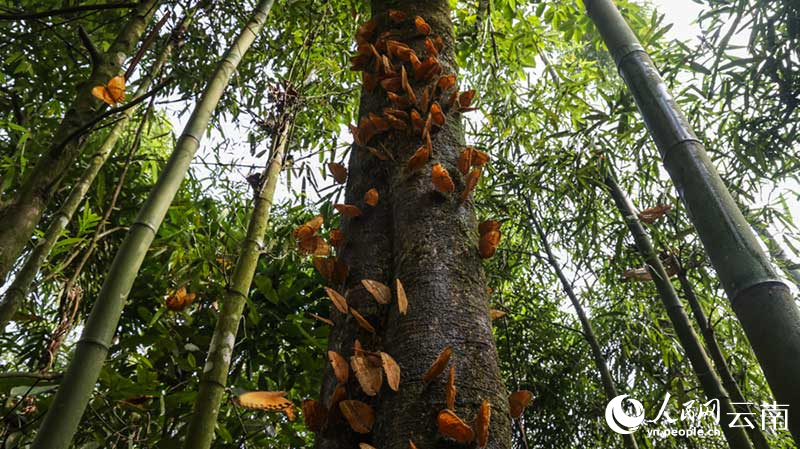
453, 427
430, 48
348, 210
437, 114
369, 373
470, 183
371, 197
422, 26
438, 365
314, 415
450, 389
397, 16
321, 319
652, 214
362, 321
358, 414
419, 159
341, 369
495, 314
441, 179
392, 370
518, 401
338, 300
402, 299
481, 424
380, 291
338, 171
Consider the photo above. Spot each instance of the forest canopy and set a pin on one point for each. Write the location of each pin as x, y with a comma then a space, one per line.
384, 224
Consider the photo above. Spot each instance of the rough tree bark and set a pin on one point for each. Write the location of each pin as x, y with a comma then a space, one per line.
762, 302
606, 379
429, 241
20, 217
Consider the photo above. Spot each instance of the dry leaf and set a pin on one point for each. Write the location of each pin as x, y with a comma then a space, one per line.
314, 415
454, 427
438, 365
481, 424
338, 171
338, 300
518, 401
362, 321
113, 92
450, 389
402, 299
340, 367
441, 179
369, 373
496, 314
381, 292
371, 197
358, 414
392, 370
348, 210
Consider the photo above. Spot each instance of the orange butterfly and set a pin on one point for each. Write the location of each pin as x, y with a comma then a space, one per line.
314, 414
430, 48
369, 372
470, 182
438, 365
518, 401
451, 426
441, 179
402, 299
481, 423
446, 82
380, 291
371, 197
338, 300
338, 171
179, 300
490, 238
397, 16
113, 92
650, 215
419, 158
348, 210
273, 401
392, 370
358, 414
341, 370
422, 26
465, 100
438, 115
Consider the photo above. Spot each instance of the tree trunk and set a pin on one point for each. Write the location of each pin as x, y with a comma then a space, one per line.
762, 302
200, 432
64, 414
715, 351
428, 241
18, 289
709, 381
588, 331
20, 217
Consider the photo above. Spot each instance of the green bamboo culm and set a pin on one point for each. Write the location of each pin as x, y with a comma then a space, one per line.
716, 354
791, 267
709, 381
200, 432
63, 416
19, 288
761, 301
589, 335
19, 218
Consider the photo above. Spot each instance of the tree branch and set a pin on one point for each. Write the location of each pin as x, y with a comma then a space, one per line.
21, 15
94, 55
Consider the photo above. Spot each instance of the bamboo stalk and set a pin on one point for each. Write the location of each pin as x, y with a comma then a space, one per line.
762, 302
19, 218
588, 331
63, 416
21, 285
709, 381
200, 432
